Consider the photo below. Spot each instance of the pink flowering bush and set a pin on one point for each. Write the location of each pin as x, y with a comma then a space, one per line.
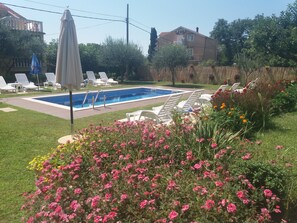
139, 172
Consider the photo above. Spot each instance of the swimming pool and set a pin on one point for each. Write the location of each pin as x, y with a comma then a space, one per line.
104, 97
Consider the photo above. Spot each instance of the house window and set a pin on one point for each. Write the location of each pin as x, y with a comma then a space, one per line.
190, 37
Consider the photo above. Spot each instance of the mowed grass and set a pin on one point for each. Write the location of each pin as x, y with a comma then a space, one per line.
25, 134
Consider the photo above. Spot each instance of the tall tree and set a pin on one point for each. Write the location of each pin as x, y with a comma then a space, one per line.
232, 38
171, 57
153, 44
17, 44
90, 55
116, 55
275, 38
51, 55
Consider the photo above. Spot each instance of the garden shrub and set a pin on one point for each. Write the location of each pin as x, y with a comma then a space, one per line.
231, 118
255, 103
265, 175
286, 99
140, 172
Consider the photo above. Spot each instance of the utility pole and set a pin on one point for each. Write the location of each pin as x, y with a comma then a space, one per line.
127, 24
127, 39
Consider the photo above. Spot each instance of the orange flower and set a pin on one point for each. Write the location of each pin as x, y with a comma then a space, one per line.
244, 121
241, 117
223, 106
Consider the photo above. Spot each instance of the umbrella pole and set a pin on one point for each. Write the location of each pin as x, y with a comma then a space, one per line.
71, 111
37, 81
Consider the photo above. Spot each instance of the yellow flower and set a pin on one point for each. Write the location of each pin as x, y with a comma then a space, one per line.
223, 106
244, 121
229, 113
232, 109
215, 106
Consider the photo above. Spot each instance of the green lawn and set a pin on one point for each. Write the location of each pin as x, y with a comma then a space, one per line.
25, 134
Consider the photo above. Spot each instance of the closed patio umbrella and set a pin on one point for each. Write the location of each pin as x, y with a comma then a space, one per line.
35, 67
68, 65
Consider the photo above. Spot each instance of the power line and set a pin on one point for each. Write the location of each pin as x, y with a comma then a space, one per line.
139, 23
53, 12
139, 27
78, 10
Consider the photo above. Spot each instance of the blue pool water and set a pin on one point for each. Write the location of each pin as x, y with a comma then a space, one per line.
107, 97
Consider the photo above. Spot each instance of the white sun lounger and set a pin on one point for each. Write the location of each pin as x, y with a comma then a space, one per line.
161, 115
93, 80
22, 79
104, 78
6, 87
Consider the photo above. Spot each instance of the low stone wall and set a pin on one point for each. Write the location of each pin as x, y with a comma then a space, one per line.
220, 75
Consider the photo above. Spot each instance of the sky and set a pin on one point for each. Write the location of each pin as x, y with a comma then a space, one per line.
107, 18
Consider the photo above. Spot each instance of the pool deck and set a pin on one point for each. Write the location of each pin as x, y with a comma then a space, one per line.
64, 113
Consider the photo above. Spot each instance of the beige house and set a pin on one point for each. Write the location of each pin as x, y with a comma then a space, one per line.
199, 46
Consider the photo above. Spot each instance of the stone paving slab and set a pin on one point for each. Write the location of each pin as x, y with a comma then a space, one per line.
8, 109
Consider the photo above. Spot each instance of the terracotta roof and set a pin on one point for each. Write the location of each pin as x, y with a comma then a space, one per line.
10, 12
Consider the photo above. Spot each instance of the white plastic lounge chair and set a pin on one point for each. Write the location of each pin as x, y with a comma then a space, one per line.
191, 103
6, 87
161, 115
22, 79
207, 97
234, 86
251, 85
51, 80
93, 80
104, 78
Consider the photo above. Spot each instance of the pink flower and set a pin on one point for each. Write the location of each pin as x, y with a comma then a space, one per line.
108, 185
185, 207
166, 147
247, 156
214, 145
200, 140
77, 191
167, 132
268, 193
107, 197
124, 197
143, 204
219, 183
197, 166
208, 204
171, 185
241, 194
223, 202
74, 205
278, 147
189, 155
95, 201
231, 208
172, 215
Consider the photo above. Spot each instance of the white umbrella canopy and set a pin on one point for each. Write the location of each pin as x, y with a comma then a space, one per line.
68, 65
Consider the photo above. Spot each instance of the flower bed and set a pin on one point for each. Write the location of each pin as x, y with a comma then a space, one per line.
139, 172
